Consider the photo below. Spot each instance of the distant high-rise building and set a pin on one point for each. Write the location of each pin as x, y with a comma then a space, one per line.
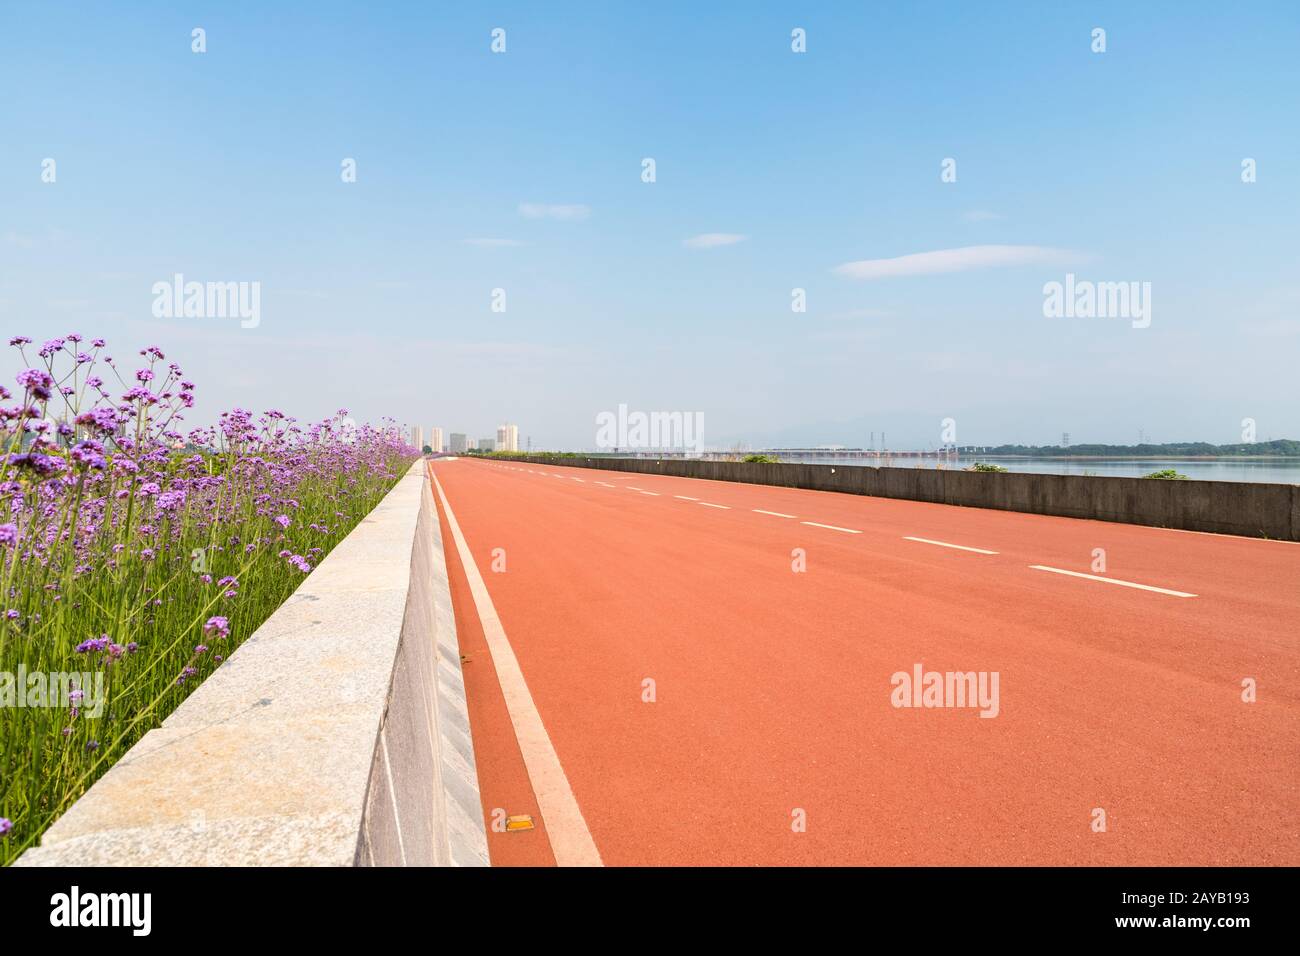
417, 436
507, 438
459, 443
485, 444
435, 439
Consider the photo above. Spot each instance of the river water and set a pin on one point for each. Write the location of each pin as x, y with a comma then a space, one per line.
1275, 470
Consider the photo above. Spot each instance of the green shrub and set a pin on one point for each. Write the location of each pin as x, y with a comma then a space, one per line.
1167, 473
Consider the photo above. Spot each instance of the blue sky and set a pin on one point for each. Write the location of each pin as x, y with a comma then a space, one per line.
225, 166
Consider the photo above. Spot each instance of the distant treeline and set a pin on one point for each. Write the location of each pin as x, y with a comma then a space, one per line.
1283, 446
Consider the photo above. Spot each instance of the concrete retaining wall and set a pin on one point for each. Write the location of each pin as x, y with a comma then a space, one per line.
1223, 507
336, 735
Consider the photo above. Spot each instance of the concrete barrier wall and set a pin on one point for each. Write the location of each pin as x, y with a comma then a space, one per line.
1223, 507
337, 734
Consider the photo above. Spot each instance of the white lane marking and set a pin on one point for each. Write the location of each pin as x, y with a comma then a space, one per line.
606, 484
577, 479
1123, 584
945, 544
653, 494
631, 488
774, 514
708, 505
566, 829
686, 497
832, 527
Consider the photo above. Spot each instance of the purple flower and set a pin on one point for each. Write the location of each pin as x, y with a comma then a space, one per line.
9, 533
5, 823
37, 381
282, 520
219, 624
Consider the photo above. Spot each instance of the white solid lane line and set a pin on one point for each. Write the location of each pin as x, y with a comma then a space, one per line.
774, 514
606, 484
707, 505
653, 494
686, 497
1123, 584
831, 527
566, 829
945, 544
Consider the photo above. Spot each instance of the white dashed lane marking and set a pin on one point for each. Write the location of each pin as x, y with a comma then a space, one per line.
831, 527
1123, 584
945, 544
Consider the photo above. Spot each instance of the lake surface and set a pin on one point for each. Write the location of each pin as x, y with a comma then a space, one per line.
1274, 470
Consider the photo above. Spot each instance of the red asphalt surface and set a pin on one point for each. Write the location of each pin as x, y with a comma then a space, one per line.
773, 688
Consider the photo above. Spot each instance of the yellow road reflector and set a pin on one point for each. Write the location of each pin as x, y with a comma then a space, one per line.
521, 821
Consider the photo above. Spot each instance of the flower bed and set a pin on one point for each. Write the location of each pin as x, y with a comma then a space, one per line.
135, 556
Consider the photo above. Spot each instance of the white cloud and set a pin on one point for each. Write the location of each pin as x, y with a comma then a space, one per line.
537, 210
954, 260
491, 243
11, 238
849, 314
711, 240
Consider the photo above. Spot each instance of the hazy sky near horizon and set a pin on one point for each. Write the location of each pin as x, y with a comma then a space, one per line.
774, 170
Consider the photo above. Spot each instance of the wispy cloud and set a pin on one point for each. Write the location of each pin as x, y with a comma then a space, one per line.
711, 240
849, 314
11, 238
954, 260
491, 243
982, 215
22, 241
537, 210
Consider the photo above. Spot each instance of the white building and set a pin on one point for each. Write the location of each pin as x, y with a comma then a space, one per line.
459, 443
435, 439
507, 438
486, 444
417, 436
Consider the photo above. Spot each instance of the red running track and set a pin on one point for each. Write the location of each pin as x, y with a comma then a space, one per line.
773, 687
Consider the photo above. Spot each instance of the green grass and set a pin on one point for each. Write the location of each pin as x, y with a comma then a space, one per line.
150, 585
